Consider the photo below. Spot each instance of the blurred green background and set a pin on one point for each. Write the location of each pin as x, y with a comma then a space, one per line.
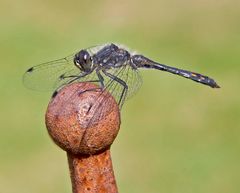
176, 136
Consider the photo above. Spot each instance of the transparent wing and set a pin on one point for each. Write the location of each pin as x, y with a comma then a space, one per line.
127, 74
48, 76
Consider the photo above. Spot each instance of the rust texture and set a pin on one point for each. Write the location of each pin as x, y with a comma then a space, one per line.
93, 173
77, 129
85, 124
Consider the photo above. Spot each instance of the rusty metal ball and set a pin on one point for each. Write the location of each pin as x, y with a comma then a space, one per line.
83, 120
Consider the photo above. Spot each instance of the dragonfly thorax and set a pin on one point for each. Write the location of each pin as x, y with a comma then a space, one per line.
83, 61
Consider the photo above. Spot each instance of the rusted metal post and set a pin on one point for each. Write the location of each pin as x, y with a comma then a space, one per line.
85, 125
93, 173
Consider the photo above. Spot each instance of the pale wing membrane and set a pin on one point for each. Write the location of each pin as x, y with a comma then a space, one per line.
130, 76
45, 76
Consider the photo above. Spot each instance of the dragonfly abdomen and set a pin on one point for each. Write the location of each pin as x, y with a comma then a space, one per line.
143, 62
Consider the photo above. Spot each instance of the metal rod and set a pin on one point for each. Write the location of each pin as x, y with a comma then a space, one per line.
92, 173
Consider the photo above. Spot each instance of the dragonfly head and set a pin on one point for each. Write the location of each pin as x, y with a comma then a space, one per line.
83, 60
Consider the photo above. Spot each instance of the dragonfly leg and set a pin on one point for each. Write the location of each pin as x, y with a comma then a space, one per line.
75, 77
121, 82
100, 80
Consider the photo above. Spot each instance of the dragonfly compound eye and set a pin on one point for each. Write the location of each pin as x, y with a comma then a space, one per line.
82, 60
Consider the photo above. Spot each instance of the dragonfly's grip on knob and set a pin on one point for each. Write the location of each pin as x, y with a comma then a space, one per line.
84, 121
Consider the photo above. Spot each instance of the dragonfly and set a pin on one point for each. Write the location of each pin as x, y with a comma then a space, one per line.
111, 66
